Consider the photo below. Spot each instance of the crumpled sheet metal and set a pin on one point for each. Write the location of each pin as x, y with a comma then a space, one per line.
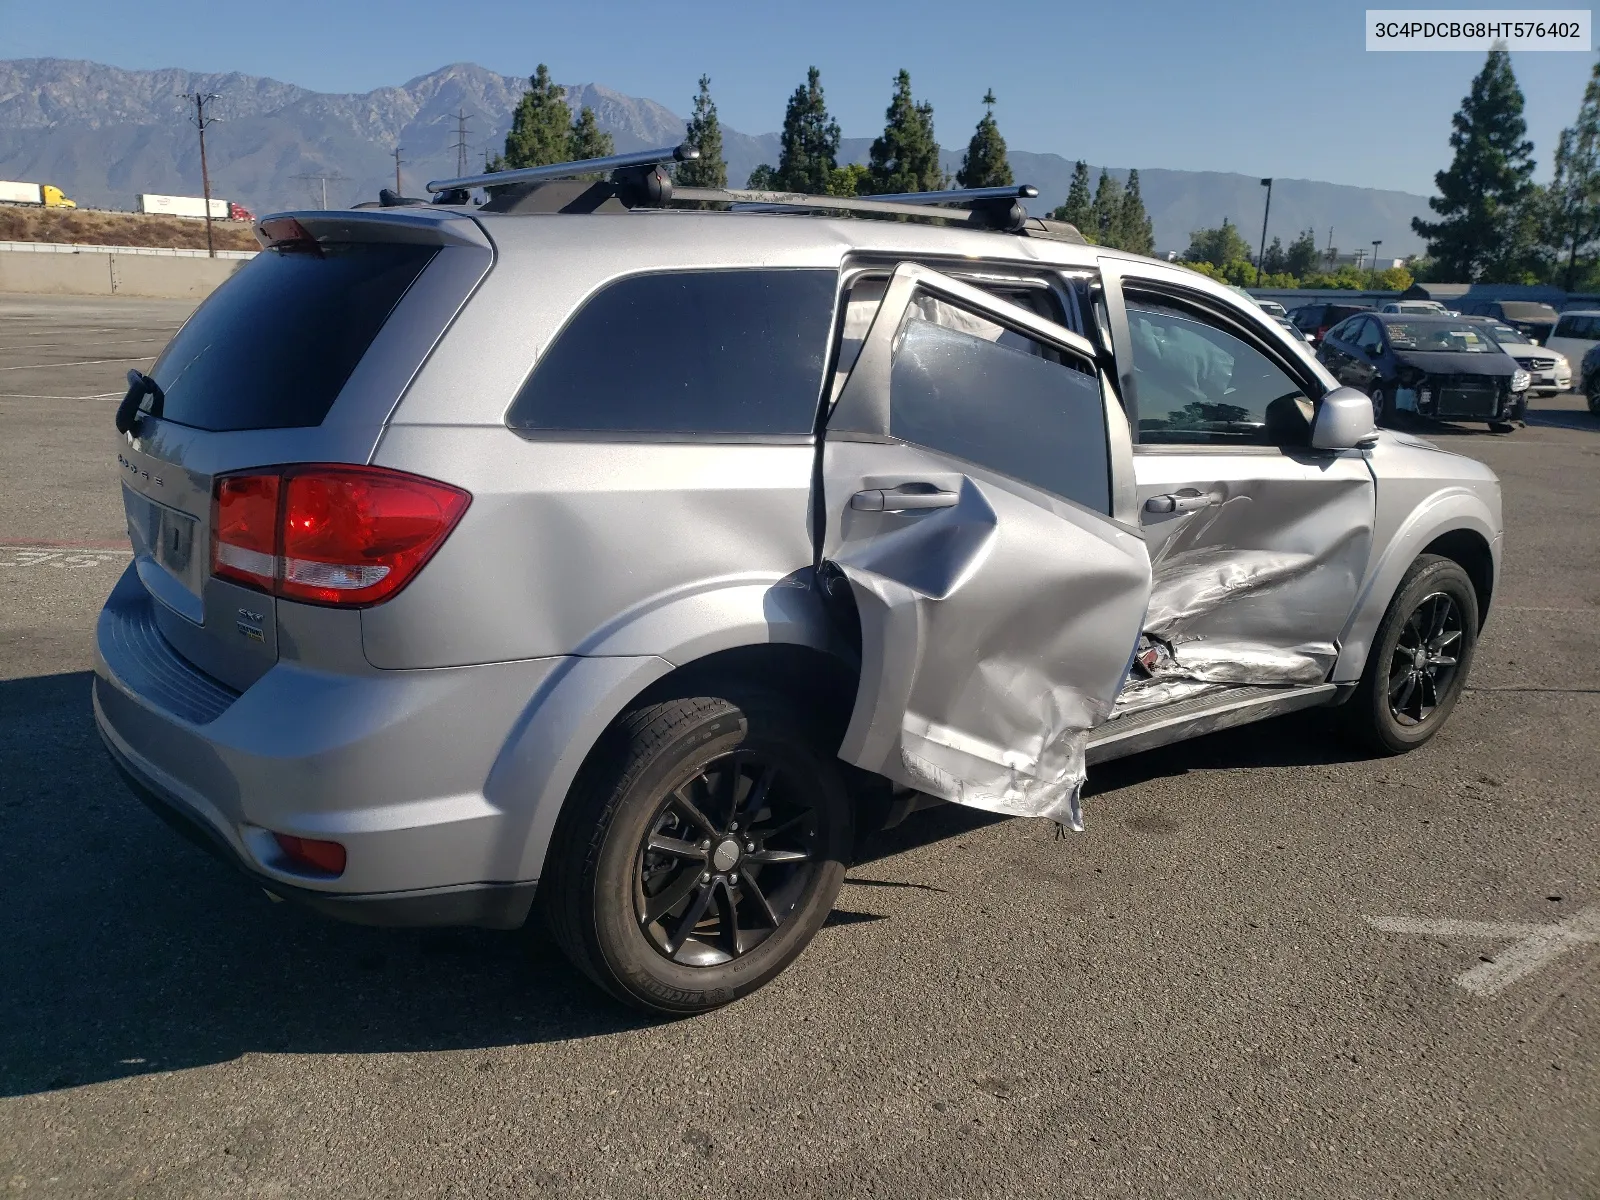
1189, 586
992, 678
1034, 768
1143, 694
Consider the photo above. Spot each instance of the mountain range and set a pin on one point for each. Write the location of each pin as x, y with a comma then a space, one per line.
104, 134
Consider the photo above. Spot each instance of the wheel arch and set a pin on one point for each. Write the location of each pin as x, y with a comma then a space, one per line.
739, 633
1455, 522
1472, 552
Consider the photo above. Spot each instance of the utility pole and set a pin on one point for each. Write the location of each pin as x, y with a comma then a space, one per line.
201, 120
322, 177
1331, 253
398, 190
1376, 242
461, 141
1266, 183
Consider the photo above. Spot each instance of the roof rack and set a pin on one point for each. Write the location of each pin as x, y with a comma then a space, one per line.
638, 181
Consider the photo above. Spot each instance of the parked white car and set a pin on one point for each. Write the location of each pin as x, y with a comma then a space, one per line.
1576, 332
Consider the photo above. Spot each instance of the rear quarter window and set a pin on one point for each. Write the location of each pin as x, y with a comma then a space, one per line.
737, 353
273, 347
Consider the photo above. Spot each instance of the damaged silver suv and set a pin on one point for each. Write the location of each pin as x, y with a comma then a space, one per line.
579, 557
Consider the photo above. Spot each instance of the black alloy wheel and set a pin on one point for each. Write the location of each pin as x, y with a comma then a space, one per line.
1424, 663
701, 846
726, 860
1418, 659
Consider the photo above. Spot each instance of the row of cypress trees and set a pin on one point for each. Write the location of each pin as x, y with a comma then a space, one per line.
904, 158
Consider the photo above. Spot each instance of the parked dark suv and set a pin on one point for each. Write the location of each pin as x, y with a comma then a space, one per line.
1314, 320
1535, 320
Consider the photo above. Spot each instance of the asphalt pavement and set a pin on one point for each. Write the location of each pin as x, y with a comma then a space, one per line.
1270, 967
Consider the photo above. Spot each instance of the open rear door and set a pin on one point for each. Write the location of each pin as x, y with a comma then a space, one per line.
977, 480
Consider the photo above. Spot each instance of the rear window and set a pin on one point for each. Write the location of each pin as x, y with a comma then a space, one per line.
692, 352
272, 348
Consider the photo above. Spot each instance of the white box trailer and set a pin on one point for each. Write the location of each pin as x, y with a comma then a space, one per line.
182, 206
45, 195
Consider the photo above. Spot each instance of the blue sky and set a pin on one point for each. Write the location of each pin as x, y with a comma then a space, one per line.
1263, 88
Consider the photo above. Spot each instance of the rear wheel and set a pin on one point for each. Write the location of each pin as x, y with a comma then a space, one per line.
1419, 659
1594, 402
700, 850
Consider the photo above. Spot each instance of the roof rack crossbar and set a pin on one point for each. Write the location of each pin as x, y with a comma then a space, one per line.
1021, 191
983, 208
569, 170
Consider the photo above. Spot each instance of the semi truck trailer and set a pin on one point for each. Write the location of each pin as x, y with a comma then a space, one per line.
194, 206
43, 195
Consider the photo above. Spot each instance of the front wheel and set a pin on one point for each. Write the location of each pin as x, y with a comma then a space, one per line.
1419, 659
1594, 402
700, 850
1501, 427
1383, 409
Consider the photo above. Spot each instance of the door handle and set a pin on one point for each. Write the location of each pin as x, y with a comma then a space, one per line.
901, 499
1177, 502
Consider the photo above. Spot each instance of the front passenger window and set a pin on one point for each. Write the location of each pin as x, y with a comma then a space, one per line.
1200, 384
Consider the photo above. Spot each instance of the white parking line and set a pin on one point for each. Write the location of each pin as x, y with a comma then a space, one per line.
73, 556
42, 396
82, 362
1532, 945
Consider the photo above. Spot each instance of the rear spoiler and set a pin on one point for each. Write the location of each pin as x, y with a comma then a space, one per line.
418, 226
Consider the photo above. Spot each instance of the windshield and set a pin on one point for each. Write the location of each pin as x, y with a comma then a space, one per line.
1433, 309
1272, 307
1527, 310
1504, 333
1442, 337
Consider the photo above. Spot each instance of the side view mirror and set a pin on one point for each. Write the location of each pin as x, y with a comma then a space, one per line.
1344, 421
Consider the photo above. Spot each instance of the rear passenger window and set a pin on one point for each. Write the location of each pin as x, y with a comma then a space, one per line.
966, 386
692, 352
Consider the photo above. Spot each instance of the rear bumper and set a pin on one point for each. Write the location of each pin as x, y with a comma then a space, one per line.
492, 905
391, 764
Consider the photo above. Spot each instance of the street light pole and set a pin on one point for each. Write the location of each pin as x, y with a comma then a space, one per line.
1376, 242
201, 99
1262, 253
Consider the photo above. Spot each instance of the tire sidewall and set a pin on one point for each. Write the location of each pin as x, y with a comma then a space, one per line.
1438, 575
636, 966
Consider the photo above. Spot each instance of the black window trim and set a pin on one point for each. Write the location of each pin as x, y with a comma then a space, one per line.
683, 437
1201, 307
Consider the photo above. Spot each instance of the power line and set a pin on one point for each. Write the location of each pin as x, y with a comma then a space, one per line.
201, 120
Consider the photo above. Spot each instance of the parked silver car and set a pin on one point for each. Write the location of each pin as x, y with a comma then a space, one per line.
622, 564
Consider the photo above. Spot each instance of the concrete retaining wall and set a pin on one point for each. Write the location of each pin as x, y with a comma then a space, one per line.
102, 273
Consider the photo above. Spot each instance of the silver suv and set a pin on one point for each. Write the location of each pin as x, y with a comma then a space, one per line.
626, 563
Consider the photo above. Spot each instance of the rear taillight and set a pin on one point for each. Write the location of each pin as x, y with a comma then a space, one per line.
347, 536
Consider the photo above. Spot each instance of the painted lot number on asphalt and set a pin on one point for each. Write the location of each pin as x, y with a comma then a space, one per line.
1533, 944
38, 556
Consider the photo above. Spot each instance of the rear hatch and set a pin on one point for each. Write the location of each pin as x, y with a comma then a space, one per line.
299, 358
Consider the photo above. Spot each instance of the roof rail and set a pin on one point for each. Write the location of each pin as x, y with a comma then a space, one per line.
568, 170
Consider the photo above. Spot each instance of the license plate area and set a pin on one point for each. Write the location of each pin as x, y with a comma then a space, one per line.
171, 539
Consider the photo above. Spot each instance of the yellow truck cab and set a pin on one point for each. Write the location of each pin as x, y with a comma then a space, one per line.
54, 197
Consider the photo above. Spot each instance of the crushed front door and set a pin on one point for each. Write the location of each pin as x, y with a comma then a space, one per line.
1258, 543
978, 494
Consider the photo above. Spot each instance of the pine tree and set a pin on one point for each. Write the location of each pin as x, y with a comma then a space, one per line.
1105, 210
1486, 188
1077, 210
1135, 233
984, 164
705, 134
906, 157
1573, 198
1276, 260
809, 144
586, 139
1301, 257
762, 179
539, 126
